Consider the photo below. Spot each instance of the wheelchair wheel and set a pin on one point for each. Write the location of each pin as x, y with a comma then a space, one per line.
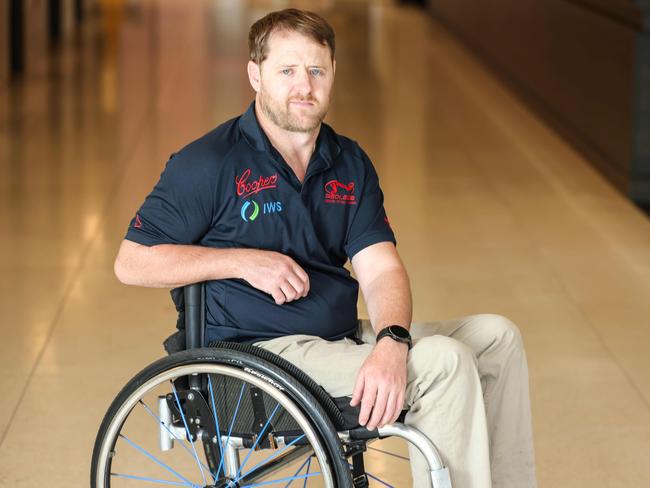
213, 418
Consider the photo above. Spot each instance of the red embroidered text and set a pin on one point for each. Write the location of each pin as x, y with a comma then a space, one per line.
246, 187
337, 192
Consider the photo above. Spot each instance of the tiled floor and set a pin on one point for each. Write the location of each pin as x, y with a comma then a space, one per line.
493, 213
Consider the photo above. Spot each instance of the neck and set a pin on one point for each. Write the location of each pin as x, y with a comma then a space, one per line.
295, 147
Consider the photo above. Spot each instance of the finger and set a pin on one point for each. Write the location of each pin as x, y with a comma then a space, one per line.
297, 284
304, 278
278, 296
358, 389
367, 403
399, 406
288, 291
389, 414
378, 410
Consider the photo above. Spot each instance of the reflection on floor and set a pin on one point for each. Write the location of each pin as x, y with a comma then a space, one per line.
493, 213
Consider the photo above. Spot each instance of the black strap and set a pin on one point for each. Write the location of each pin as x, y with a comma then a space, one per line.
359, 476
261, 418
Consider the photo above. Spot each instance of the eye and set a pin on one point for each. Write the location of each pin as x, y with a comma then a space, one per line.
316, 71
286, 71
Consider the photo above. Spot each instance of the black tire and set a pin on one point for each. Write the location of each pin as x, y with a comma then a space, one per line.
224, 365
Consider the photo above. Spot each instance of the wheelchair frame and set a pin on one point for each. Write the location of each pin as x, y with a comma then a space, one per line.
314, 420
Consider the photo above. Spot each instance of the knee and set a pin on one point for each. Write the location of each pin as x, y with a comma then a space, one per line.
502, 331
441, 352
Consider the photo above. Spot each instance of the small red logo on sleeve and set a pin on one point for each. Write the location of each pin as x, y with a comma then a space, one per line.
337, 192
138, 223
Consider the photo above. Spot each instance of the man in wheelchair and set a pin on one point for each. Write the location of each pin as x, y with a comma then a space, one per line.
267, 208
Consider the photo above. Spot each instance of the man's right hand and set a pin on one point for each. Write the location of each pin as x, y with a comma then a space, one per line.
275, 274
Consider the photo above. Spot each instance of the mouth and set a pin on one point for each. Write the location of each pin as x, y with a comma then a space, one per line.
302, 103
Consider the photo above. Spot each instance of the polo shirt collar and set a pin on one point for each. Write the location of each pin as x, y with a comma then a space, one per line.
326, 146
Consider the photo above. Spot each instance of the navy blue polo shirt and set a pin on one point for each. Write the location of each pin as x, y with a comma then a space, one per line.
232, 189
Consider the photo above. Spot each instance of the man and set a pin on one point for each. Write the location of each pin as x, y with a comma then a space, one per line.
268, 207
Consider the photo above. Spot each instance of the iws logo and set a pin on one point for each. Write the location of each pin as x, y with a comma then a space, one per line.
250, 210
337, 192
244, 210
246, 188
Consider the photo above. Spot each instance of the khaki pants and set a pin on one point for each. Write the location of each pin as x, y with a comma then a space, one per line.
467, 391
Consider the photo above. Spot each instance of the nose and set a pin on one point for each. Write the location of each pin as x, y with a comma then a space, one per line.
303, 81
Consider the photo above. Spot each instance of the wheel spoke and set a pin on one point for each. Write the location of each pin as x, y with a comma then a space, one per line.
378, 480
216, 421
306, 463
156, 460
272, 456
187, 432
151, 480
304, 485
232, 423
182, 441
282, 480
399, 456
259, 437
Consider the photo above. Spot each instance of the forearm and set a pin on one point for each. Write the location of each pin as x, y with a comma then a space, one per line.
388, 299
172, 265
381, 382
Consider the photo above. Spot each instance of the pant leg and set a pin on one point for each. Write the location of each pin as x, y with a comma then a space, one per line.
445, 402
332, 364
443, 395
502, 366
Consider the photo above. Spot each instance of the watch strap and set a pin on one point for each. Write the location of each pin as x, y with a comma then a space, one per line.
404, 336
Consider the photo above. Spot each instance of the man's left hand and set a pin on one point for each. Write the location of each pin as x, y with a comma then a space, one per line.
381, 383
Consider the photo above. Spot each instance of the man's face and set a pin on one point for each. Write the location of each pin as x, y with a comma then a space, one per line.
294, 82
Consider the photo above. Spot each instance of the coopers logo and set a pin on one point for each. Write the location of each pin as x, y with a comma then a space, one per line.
247, 186
337, 192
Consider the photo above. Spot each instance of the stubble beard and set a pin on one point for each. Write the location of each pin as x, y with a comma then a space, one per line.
280, 115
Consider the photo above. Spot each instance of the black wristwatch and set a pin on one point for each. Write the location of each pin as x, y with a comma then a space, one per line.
397, 333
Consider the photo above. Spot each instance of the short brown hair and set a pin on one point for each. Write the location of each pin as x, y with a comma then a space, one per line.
307, 23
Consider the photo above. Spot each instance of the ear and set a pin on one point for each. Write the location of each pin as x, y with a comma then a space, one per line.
254, 75
333, 68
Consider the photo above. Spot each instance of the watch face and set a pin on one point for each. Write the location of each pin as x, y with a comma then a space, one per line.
400, 332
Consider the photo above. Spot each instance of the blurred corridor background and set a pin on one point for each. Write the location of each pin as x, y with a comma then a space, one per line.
505, 196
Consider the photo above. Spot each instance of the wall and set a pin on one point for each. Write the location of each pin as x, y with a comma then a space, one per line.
580, 64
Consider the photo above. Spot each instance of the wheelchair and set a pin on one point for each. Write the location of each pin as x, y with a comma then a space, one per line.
233, 416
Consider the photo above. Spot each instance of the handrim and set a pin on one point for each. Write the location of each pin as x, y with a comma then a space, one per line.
269, 387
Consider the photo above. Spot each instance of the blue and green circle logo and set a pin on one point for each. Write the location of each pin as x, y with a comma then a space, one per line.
250, 204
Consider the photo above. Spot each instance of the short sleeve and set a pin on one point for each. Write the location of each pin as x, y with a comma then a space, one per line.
179, 210
369, 223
